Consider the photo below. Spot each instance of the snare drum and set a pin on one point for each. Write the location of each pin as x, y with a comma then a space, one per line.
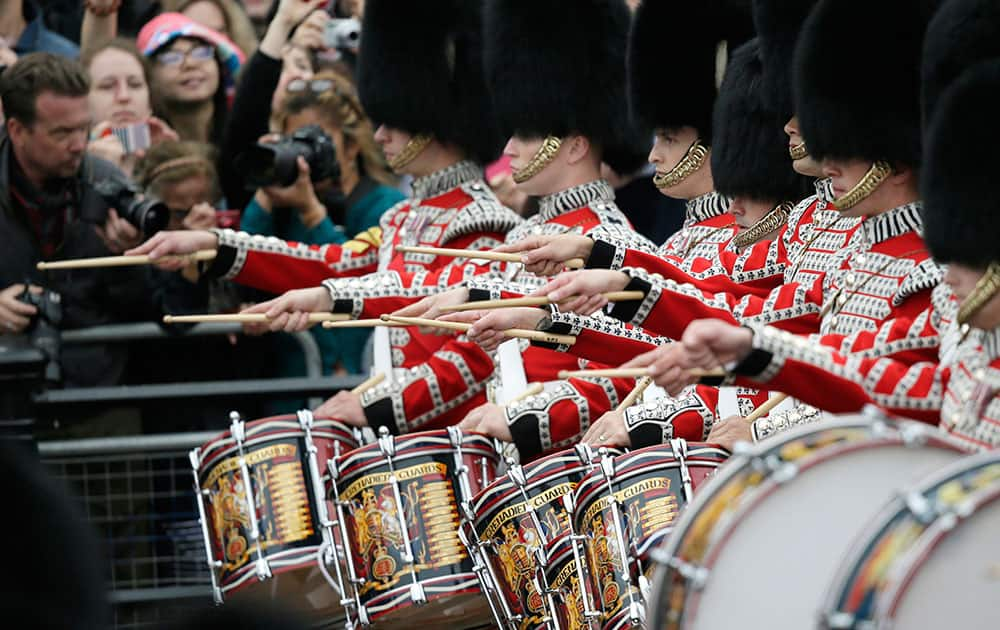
259, 493
624, 508
398, 504
928, 560
758, 544
509, 525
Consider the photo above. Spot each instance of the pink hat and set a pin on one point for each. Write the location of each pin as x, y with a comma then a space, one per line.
166, 27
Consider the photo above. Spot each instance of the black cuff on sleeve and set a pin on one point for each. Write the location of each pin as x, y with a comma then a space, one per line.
626, 311
379, 414
556, 328
601, 256
225, 256
645, 434
343, 306
526, 438
478, 295
754, 363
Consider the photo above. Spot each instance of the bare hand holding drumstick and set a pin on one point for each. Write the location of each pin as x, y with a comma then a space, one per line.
290, 312
547, 255
489, 419
344, 406
431, 307
589, 285
706, 345
488, 326
175, 243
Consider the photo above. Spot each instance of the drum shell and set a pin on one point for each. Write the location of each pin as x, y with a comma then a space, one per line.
276, 454
503, 522
562, 577
424, 464
649, 485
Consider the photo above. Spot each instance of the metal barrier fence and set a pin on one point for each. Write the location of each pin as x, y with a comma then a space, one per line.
137, 492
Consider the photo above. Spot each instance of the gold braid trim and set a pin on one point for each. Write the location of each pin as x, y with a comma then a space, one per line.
413, 147
878, 173
771, 222
542, 158
986, 288
799, 151
694, 159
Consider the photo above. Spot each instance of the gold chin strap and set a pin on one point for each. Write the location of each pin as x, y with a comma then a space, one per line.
878, 173
413, 147
771, 222
695, 157
799, 151
542, 158
986, 288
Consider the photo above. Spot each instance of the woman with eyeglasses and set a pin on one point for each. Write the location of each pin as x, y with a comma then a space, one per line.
193, 72
329, 212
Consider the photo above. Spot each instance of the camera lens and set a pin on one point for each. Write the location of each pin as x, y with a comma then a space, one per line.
150, 215
269, 165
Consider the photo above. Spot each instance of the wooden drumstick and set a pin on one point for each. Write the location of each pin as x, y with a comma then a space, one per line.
360, 323
515, 333
245, 318
123, 261
633, 395
572, 263
533, 390
633, 373
611, 296
767, 407
368, 383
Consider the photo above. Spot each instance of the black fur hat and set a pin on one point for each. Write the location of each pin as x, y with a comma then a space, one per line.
556, 67
672, 59
960, 35
957, 185
862, 101
420, 70
749, 145
778, 24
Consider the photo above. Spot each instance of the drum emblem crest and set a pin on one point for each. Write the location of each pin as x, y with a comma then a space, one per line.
231, 513
517, 562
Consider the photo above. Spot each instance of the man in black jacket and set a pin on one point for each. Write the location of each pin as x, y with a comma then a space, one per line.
49, 210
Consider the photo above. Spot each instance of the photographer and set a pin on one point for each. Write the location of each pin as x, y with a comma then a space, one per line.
50, 209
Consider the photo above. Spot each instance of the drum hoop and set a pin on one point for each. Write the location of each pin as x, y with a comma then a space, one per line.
387, 601
283, 560
485, 511
212, 452
914, 558
360, 460
739, 463
563, 463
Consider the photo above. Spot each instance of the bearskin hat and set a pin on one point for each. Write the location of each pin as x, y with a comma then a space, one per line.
673, 58
960, 208
960, 35
778, 24
862, 101
555, 68
420, 70
749, 145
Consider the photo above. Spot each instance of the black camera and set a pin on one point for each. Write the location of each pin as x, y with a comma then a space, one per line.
148, 214
276, 164
43, 331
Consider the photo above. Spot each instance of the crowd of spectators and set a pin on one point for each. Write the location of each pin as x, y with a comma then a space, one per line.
164, 98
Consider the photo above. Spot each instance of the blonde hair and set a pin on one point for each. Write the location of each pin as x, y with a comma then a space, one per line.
174, 161
239, 28
340, 104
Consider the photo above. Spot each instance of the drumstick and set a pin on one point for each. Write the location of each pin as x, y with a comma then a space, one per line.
766, 408
122, 261
368, 384
572, 263
633, 373
245, 318
360, 323
533, 390
612, 296
516, 333
634, 394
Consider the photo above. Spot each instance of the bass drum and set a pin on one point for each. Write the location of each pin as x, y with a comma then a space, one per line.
398, 503
928, 560
757, 546
624, 508
259, 491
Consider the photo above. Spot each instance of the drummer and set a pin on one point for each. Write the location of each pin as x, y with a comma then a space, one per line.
961, 392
